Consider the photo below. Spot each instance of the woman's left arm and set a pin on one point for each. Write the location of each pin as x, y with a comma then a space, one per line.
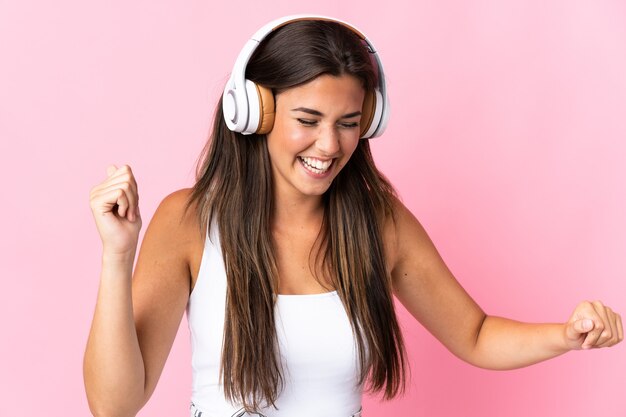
426, 287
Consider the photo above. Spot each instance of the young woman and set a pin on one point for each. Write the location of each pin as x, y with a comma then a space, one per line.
287, 251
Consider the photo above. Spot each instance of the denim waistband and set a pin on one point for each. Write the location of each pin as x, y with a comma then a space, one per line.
195, 412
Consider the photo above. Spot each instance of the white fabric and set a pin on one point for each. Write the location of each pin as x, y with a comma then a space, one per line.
317, 348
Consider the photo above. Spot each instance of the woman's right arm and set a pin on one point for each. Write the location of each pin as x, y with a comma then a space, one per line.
136, 317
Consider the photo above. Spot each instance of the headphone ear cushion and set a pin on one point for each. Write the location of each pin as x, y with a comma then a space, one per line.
368, 111
267, 109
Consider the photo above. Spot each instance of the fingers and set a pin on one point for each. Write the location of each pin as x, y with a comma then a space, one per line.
598, 315
606, 329
120, 188
118, 197
582, 326
614, 333
127, 199
116, 175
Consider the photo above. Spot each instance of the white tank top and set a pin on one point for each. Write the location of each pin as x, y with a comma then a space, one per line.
317, 349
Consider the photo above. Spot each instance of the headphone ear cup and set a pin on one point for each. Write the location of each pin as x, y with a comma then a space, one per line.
253, 112
267, 108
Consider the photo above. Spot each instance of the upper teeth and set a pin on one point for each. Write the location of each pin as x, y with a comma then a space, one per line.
316, 163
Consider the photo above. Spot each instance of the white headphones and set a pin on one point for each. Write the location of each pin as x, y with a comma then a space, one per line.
249, 108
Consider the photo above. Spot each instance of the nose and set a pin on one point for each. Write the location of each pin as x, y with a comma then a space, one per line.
328, 141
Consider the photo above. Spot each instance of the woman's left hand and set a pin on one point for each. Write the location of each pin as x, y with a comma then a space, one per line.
593, 325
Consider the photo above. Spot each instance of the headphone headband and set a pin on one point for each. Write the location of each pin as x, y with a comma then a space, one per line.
241, 96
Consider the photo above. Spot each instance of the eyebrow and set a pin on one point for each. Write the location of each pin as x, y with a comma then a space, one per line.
318, 113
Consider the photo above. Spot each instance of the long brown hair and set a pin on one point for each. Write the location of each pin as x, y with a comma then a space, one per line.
234, 191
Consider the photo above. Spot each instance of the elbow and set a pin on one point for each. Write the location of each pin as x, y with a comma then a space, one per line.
492, 346
489, 364
108, 397
111, 403
108, 409
472, 354
476, 354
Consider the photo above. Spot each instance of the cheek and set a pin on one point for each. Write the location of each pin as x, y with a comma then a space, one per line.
284, 143
348, 150
296, 139
351, 147
286, 136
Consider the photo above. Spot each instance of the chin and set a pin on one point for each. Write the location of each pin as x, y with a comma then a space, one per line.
315, 191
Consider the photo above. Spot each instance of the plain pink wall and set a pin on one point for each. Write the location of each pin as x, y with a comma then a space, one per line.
507, 141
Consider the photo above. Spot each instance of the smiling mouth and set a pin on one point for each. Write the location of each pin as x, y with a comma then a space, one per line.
315, 165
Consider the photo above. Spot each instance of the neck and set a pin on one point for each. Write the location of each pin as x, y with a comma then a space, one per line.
297, 213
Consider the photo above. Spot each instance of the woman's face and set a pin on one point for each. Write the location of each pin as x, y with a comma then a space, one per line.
316, 130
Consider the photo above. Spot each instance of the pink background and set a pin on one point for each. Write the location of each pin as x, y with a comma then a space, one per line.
507, 141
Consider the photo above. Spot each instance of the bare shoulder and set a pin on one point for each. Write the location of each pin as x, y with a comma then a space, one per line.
170, 231
174, 235
166, 247
173, 210
403, 234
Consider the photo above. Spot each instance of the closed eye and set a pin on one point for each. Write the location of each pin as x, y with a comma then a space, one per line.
307, 122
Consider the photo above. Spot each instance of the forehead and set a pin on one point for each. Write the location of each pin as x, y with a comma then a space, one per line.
338, 91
